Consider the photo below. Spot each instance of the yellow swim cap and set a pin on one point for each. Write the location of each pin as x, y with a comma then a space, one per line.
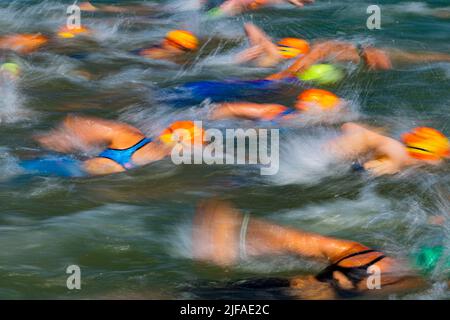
182, 39
66, 32
324, 99
292, 47
186, 130
13, 69
425, 143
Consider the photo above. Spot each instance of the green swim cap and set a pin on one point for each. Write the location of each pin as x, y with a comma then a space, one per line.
427, 258
11, 68
322, 74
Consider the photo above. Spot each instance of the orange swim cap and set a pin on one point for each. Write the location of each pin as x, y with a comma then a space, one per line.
66, 32
317, 97
425, 143
23, 43
292, 47
182, 39
185, 130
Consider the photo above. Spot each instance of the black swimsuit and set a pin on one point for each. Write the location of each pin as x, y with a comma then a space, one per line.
354, 274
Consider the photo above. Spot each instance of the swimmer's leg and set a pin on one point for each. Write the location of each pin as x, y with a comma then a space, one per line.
54, 166
102, 166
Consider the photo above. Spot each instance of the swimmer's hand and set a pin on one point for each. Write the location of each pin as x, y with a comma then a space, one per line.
233, 7
381, 167
56, 141
249, 54
437, 220
300, 3
376, 59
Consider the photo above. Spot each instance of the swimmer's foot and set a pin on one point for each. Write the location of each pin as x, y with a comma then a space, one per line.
216, 233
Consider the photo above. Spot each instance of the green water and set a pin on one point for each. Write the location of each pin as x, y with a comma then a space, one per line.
129, 233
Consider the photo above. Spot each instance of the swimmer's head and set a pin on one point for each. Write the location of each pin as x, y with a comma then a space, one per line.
317, 99
426, 259
182, 131
322, 73
181, 40
10, 69
292, 47
67, 32
426, 144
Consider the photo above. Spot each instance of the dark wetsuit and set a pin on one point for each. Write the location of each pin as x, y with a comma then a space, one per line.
354, 274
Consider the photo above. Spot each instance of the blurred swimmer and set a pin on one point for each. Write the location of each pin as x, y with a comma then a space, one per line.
29, 43
66, 32
264, 53
23, 43
374, 58
175, 44
126, 146
421, 146
87, 6
224, 236
10, 71
311, 101
233, 7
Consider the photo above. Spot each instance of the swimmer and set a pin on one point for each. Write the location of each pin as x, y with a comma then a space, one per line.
126, 146
29, 43
311, 101
175, 44
23, 43
10, 71
264, 53
87, 6
374, 58
67, 33
421, 146
223, 236
234, 7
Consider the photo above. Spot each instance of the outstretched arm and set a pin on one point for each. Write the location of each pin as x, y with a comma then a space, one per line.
389, 155
233, 7
84, 133
328, 50
247, 110
89, 7
261, 48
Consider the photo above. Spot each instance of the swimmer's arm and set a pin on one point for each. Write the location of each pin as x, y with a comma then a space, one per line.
261, 47
265, 238
89, 7
255, 35
246, 110
376, 59
83, 133
354, 141
392, 157
328, 50
233, 7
